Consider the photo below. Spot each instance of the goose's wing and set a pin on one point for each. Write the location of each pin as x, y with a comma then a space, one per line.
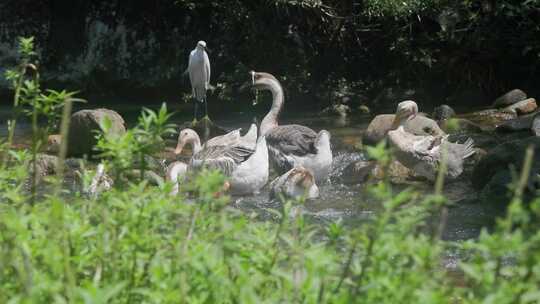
222, 158
228, 139
426, 145
462, 151
293, 139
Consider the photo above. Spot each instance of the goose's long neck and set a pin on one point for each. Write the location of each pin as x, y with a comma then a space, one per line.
196, 145
271, 119
398, 122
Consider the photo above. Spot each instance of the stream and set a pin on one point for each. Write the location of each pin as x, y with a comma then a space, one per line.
348, 202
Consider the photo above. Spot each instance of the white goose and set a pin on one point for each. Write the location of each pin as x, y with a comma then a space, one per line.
297, 182
233, 138
176, 172
247, 169
293, 145
423, 154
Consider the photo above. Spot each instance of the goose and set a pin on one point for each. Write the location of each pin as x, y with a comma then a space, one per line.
247, 169
292, 145
295, 183
176, 171
233, 138
423, 154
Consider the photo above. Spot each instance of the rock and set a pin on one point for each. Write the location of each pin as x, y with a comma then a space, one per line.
364, 170
45, 165
457, 125
85, 124
358, 172
523, 107
509, 98
520, 123
478, 155
381, 124
535, 125
496, 190
489, 118
502, 157
337, 109
443, 112
397, 172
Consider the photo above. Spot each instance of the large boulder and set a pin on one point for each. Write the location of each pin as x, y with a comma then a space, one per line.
503, 158
509, 98
84, 126
459, 125
443, 112
521, 123
523, 107
364, 170
381, 124
489, 118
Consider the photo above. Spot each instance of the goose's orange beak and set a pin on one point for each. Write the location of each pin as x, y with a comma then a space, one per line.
179, 147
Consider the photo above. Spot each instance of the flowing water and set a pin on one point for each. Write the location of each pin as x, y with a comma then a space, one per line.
348, 202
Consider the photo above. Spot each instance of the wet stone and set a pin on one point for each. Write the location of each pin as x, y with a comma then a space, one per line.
523, 107
509, 98
85, 124
520, 123
489, 118
381, 124
443, 112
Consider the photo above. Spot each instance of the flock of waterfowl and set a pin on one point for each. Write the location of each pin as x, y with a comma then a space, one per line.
302, 157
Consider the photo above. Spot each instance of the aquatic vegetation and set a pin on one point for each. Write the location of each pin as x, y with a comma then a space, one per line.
138, 244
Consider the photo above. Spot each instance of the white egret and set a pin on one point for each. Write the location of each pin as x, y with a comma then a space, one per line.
199, 75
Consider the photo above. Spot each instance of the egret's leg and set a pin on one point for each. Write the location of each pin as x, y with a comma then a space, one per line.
196, 106
205, 108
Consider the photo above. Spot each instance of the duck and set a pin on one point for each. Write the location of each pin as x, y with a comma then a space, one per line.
247, 170
295, 183
424, 154
291, 145
190, 136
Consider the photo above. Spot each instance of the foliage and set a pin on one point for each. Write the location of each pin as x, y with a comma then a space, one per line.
123, 151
